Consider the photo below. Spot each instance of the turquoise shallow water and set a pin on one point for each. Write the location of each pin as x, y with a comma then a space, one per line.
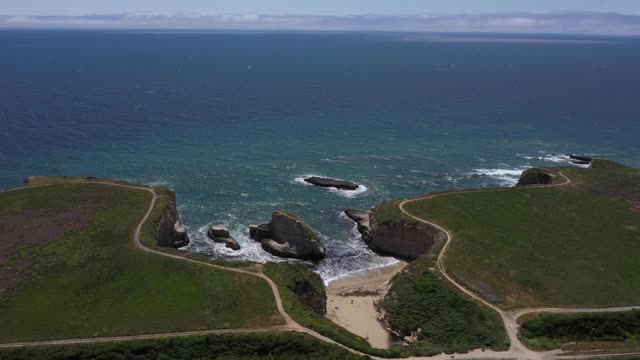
232, 121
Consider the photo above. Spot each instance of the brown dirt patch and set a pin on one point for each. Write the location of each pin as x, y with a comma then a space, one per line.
36, 228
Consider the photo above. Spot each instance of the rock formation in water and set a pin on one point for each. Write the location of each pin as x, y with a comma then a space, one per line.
326, 182
289, 237
220, 234
580, 159
362, 219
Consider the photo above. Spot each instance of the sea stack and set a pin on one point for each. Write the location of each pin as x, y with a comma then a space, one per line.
580, 159
332, 183
289, 237
220, 234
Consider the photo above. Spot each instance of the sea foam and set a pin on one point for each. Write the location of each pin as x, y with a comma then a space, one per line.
506, 177
355, 257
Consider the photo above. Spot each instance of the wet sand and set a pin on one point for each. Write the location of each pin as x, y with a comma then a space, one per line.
351, 303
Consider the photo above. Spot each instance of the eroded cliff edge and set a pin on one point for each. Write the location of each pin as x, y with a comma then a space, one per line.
387, 232
170, 230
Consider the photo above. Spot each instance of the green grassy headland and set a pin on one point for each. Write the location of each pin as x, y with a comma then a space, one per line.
92, 281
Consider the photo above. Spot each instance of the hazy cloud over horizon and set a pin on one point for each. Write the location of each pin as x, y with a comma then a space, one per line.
525, 22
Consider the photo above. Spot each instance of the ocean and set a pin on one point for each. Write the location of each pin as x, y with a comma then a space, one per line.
233, 121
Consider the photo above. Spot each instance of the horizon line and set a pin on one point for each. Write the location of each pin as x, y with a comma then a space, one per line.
542, 22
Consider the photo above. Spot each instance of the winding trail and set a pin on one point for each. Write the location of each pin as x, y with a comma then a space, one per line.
516, 351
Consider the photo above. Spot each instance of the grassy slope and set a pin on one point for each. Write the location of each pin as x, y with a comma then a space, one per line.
284, 274
247, 346
562, 246
420, 299
94, 282
551, 331
467, 325
448, 320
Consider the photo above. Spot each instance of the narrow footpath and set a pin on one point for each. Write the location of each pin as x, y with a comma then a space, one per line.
516, 351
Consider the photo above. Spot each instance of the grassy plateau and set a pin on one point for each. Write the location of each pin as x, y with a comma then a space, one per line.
573, 245
69, 269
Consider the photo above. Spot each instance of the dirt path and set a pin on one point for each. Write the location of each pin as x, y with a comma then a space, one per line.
516, 351
290, 324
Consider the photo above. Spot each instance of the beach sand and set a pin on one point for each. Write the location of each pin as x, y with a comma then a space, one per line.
350, 303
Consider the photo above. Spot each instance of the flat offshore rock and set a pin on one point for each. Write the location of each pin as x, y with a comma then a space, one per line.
327, 182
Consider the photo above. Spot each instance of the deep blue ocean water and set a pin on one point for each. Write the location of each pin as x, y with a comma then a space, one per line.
232, 121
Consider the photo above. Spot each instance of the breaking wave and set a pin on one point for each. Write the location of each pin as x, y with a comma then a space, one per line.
505, 177
355, 256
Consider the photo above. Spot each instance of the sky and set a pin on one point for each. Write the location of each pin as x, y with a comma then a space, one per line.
310, 7
606, 17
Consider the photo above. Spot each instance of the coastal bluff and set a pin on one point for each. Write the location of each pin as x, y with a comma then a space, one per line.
536, 176
171, 230
394, 238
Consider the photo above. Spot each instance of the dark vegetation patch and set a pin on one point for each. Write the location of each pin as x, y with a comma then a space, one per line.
278, 346
422, 305
551, 331
32, 228
80, 280
307, 286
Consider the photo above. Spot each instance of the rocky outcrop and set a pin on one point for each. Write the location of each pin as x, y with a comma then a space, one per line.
407, 241
326, 182
289, 237
220, 234
259, 232
362, 219
171, 231
580, 159
536, 176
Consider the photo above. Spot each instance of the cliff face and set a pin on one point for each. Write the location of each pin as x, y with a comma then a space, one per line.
536, 176
171, 232
408, 241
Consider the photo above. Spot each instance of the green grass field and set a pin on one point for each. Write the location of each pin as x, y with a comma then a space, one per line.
574, 245
275, 346
93, 282
603, 330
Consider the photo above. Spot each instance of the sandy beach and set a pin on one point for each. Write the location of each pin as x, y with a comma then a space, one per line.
350, 303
